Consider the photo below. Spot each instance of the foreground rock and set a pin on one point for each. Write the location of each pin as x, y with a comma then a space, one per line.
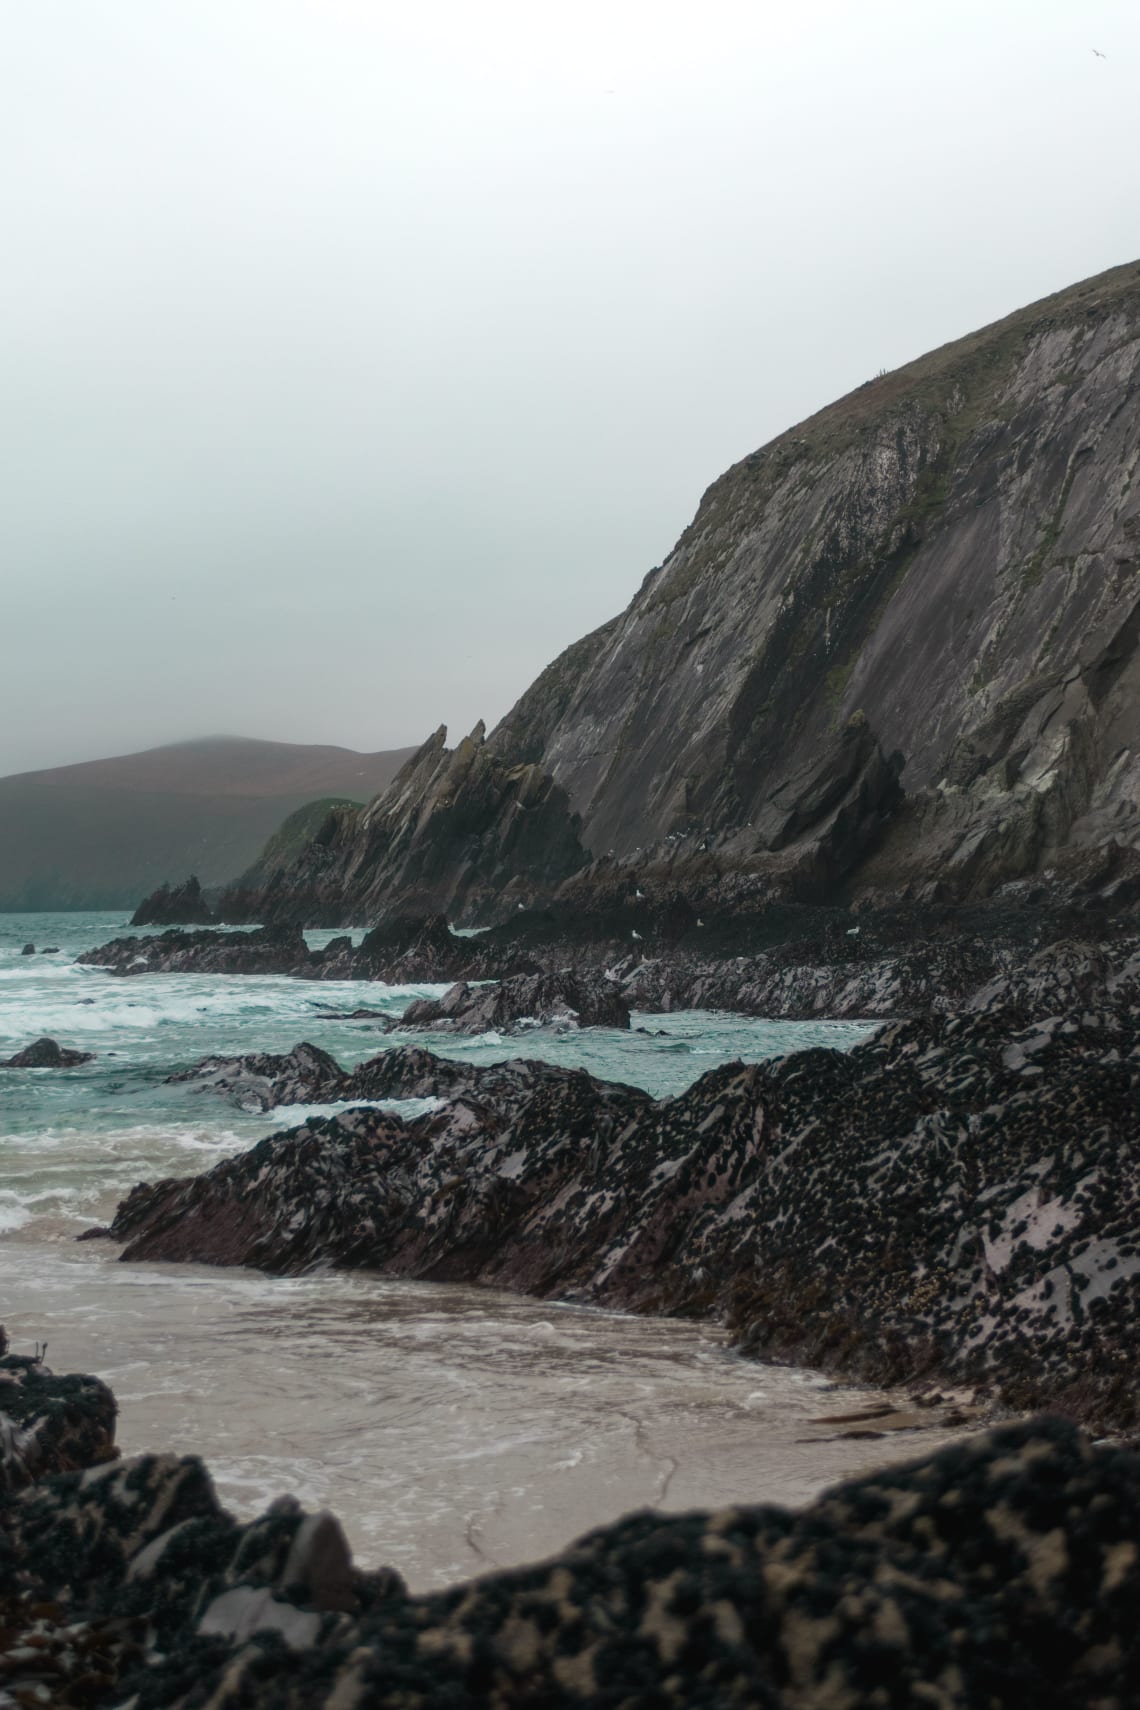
49, 1424
1002, 1571
47, 1053
956, 1199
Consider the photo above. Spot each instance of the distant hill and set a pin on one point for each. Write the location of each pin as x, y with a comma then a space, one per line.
104, 833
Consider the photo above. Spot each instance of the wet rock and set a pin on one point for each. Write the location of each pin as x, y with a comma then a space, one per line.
262, 1080
49, 1424
564, 999
178, 905
957, 1199
1000, 1571
270, 950
28, 950
47, 1054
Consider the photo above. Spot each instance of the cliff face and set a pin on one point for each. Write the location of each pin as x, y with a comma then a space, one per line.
951, 552
896, 651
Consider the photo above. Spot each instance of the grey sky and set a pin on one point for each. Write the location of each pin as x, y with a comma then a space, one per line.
359, 356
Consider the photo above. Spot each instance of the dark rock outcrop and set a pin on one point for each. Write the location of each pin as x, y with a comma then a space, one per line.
49, 1424
955, 1199
270, 950
999, 1571
182, 905
262, 1080
46, 1054
564, 999
405, 950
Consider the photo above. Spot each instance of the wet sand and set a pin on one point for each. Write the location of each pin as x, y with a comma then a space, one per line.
451, 1429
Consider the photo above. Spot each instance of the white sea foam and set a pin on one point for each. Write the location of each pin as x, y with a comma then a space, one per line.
408, 1108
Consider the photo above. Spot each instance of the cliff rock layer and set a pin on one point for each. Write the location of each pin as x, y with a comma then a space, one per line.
950, 551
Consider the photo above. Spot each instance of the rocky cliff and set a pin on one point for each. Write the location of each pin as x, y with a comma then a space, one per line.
933, 581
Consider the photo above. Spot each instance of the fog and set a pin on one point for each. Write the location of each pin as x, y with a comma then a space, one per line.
360, 357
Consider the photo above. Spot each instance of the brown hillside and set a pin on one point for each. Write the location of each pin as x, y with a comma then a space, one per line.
103, 833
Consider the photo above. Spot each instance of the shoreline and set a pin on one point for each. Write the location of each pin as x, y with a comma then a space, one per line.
949, 1203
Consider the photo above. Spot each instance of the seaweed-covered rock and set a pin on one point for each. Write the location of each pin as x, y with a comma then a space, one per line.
268, 950
1001, 1571
262, 1080
50, 1424
958, 1197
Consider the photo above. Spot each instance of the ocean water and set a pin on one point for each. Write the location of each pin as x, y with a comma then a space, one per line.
453, 1429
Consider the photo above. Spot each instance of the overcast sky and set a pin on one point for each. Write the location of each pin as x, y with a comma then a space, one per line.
359, 355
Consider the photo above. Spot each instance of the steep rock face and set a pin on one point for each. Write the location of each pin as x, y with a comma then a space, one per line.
951, 551
457, 831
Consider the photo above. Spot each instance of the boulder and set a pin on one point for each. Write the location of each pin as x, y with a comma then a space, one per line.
259, 1081
46, 1054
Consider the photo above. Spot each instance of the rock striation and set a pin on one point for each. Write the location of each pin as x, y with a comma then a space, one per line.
954, 1200
457, 831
